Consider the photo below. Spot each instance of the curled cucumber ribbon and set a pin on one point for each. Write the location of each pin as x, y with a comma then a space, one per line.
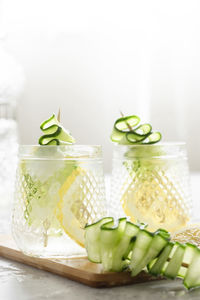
54, 133
127, 131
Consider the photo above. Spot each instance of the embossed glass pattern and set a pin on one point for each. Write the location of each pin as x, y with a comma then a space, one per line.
150, 184
58, 190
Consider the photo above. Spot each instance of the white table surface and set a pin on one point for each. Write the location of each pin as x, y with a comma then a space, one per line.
21, 282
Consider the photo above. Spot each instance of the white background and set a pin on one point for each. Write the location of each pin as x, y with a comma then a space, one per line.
94, 58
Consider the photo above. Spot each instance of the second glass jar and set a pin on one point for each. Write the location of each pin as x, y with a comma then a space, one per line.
150, 184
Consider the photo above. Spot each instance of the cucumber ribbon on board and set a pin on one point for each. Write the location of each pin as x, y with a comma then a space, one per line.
127, 245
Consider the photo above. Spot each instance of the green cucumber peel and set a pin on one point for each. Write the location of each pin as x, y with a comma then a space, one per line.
105, 220
162, 232
109, 226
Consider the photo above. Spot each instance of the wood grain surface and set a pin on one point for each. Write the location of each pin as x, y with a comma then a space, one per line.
77, 269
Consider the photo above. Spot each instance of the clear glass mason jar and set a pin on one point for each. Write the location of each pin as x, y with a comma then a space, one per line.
58, 190
150, 184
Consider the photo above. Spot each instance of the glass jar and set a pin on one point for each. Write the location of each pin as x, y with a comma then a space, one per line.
58, 190
150, 184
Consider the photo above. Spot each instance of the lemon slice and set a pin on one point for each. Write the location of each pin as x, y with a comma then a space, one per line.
154, 200
189, 234
78, 204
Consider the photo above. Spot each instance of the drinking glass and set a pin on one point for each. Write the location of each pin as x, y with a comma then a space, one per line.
150, 184
58, 190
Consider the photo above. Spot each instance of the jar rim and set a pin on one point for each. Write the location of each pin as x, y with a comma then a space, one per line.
154, 151
152, 145
65, 145
60, 152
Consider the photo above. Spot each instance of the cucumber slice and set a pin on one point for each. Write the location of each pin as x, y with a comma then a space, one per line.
92, 239
54, 133
139, 134
122, 125
153, 138
132, 231
107, 243
109, 239
188, 256
174, 265
124, 140
124, 247
141, 245
125, 133
143, 129
192, 277
134, 138
157, 243
157, 267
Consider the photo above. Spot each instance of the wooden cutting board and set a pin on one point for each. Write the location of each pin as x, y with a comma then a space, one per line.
78, 269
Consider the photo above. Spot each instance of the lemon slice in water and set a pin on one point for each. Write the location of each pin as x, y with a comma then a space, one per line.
68, 206
154, 200
77, 205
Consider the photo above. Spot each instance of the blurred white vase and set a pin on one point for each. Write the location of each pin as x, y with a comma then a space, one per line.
11, 86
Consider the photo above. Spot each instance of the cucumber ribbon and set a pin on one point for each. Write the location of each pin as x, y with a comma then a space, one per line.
128, 245
127, 131
54, 133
